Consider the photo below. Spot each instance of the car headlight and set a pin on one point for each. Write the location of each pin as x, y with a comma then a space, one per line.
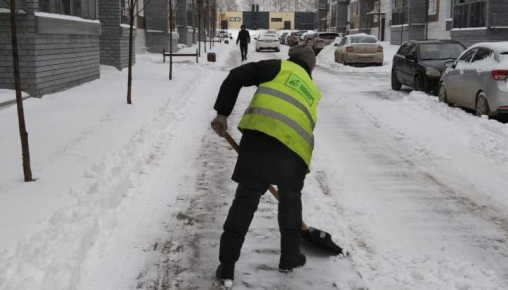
432, 72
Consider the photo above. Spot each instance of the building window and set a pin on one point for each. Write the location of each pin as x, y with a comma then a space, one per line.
81, 8
469, 13
235, 19
399, 12
276, 19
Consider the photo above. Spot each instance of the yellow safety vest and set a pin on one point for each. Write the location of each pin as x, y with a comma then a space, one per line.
285, 108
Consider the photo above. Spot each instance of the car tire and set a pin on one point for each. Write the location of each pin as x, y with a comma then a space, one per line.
257, 49
482, 105
395, 83
344, 60
442, 94
418, 82
277, 50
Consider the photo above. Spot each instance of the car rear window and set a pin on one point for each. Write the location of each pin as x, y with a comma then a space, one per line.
328, 35
440, 50
363, 39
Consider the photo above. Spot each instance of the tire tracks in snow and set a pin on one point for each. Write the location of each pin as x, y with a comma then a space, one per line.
392, 172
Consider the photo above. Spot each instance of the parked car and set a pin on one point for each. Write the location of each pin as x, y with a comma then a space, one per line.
478, 79
305, 38
222, 34
282, 38
294, 37
420, 63
359, 49
267, 41
319, 40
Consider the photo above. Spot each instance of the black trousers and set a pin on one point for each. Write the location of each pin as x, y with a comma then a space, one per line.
243, 50
262, 161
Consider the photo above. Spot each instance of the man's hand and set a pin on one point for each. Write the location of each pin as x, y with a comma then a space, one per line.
220, 125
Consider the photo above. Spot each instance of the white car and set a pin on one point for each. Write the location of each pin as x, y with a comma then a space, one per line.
267, 41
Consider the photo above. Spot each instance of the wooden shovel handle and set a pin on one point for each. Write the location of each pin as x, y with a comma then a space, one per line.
272, 189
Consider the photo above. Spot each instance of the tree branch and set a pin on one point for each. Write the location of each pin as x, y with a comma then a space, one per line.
144, 6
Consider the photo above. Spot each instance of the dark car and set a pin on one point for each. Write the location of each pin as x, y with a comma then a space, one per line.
420, 63
319, 40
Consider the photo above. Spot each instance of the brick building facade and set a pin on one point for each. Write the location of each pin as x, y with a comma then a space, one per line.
62, 46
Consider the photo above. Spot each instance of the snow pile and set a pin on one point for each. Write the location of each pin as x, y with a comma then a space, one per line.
84, 155
487, 137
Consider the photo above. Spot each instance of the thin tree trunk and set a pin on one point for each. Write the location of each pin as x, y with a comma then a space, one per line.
25, 149
170, 39
131, 31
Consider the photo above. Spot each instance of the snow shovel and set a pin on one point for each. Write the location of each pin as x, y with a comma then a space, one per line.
313, 235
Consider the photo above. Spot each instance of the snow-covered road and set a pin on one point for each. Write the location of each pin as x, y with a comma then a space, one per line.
414, 190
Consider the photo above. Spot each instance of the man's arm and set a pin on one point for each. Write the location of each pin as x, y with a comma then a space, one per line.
251, 74
238, 37
248, 37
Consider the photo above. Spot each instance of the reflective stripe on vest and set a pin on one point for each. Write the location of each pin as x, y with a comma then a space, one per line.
285, 120
292, 101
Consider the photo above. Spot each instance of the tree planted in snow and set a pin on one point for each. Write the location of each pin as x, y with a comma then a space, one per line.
131, 5
172, 13
25, 148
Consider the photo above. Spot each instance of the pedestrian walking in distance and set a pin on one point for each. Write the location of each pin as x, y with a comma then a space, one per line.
244, 39
276, 148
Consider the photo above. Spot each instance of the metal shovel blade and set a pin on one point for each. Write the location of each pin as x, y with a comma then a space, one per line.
322, 239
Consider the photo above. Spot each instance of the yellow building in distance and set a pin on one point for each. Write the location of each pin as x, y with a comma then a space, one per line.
276, 20
233, 18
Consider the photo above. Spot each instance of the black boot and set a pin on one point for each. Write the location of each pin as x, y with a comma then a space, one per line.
226, 273
288, 263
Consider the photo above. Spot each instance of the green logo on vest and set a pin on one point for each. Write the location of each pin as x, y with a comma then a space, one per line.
297, 84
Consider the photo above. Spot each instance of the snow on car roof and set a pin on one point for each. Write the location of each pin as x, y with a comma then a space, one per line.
498, 47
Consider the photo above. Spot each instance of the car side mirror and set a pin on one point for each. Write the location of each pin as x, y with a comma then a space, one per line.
411, 57
449, 63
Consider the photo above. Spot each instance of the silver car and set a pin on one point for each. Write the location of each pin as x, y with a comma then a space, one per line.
478, 79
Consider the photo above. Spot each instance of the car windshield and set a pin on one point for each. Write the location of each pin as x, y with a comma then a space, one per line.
363, 39
440, 50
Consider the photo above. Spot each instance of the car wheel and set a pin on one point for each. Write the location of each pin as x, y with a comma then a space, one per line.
257, 49
277, 50
482, 106
418, 83
442, 96
395, 83
344, 60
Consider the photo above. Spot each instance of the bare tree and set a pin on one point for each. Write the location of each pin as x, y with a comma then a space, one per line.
306, 5
25, 148
132, 4
247, 4
172, 13
231, 5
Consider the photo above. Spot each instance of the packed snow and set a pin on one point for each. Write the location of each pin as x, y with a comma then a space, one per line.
134, 196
